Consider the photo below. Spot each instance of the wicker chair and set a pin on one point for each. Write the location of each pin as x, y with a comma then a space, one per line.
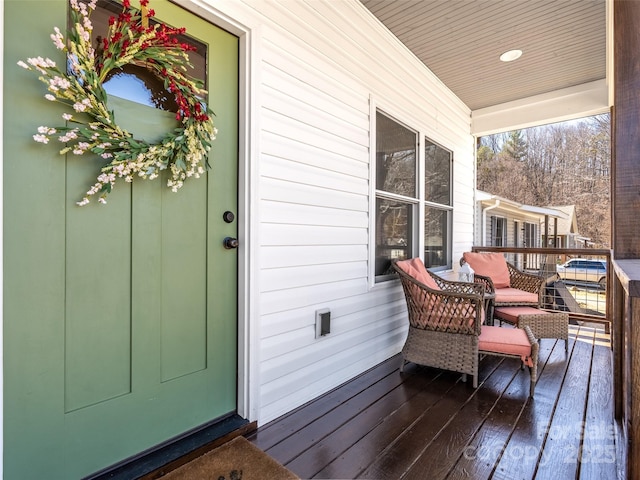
526, 282
445, 326
521, 286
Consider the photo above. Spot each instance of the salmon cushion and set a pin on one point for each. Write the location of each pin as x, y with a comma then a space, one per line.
415, 268
512, 314
510, 341
492, 265
515, 295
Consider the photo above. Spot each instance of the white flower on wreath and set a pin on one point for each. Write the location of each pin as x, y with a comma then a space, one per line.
183, 151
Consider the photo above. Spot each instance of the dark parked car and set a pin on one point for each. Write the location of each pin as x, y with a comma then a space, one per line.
584, 270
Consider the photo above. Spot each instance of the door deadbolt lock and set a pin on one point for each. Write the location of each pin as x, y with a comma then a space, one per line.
228, 216
230, 243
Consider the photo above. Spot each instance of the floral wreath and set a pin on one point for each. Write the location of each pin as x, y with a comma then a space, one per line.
92, 127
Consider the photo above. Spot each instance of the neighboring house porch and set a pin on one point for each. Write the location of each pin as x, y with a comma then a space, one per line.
564, 232
501, 222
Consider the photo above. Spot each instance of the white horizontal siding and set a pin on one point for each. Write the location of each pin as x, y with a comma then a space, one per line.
302, 318
275, 212
275, 279
300, 193
310, 382
299, 297
306, 355
297, 255
315, 117
344, 327
318, 176
320, 64
295, 149
286, 235
279, 123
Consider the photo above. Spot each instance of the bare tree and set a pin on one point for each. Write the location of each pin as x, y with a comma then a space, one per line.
558, 164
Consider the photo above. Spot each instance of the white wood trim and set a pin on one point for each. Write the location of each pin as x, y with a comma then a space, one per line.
1, 244
610, 75
248, 396
249, 174
372, 192
568, 104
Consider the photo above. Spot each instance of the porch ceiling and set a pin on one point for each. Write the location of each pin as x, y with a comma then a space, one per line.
564, 46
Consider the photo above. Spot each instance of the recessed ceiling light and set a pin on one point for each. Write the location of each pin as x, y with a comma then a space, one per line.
511, 55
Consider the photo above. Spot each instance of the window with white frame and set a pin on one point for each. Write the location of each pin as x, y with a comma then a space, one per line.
498, 231
438, 206
530, 235
400, 203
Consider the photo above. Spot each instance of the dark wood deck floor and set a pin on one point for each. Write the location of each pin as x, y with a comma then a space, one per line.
428, 424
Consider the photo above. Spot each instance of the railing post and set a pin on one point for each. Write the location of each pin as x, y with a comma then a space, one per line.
626, 339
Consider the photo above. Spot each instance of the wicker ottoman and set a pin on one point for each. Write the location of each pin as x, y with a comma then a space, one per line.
517, 343
543, 324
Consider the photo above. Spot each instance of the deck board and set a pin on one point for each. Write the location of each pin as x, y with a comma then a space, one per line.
452, 440
562, 446
483, 452
598, 449
521, 453
357, 457
427, 423
310, 462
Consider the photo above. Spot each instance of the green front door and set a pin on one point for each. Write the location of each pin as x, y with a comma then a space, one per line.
120, 321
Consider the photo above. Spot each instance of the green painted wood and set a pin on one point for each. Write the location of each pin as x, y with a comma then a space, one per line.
120, 321
183, 291
97, 326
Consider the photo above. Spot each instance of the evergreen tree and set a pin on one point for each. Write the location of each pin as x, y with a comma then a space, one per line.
516, 145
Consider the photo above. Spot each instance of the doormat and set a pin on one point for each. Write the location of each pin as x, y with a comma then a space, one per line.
237, 459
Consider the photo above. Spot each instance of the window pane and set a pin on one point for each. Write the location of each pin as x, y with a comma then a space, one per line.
136, 83
437, 174
394, 227
436, 238
395, 157
530, 235
498, 232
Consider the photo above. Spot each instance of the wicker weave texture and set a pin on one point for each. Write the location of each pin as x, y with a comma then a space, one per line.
544, 325
452, 311
444, 326
447, 351
526, 282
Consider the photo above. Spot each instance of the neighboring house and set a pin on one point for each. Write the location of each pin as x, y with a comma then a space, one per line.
129, 324
565, 233
501, 222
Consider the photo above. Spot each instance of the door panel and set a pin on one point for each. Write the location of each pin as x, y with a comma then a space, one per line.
121, 323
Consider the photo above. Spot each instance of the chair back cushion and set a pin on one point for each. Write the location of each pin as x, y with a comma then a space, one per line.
415, 268
492, 265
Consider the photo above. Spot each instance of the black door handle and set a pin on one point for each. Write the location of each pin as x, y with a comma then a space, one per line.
230, 243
